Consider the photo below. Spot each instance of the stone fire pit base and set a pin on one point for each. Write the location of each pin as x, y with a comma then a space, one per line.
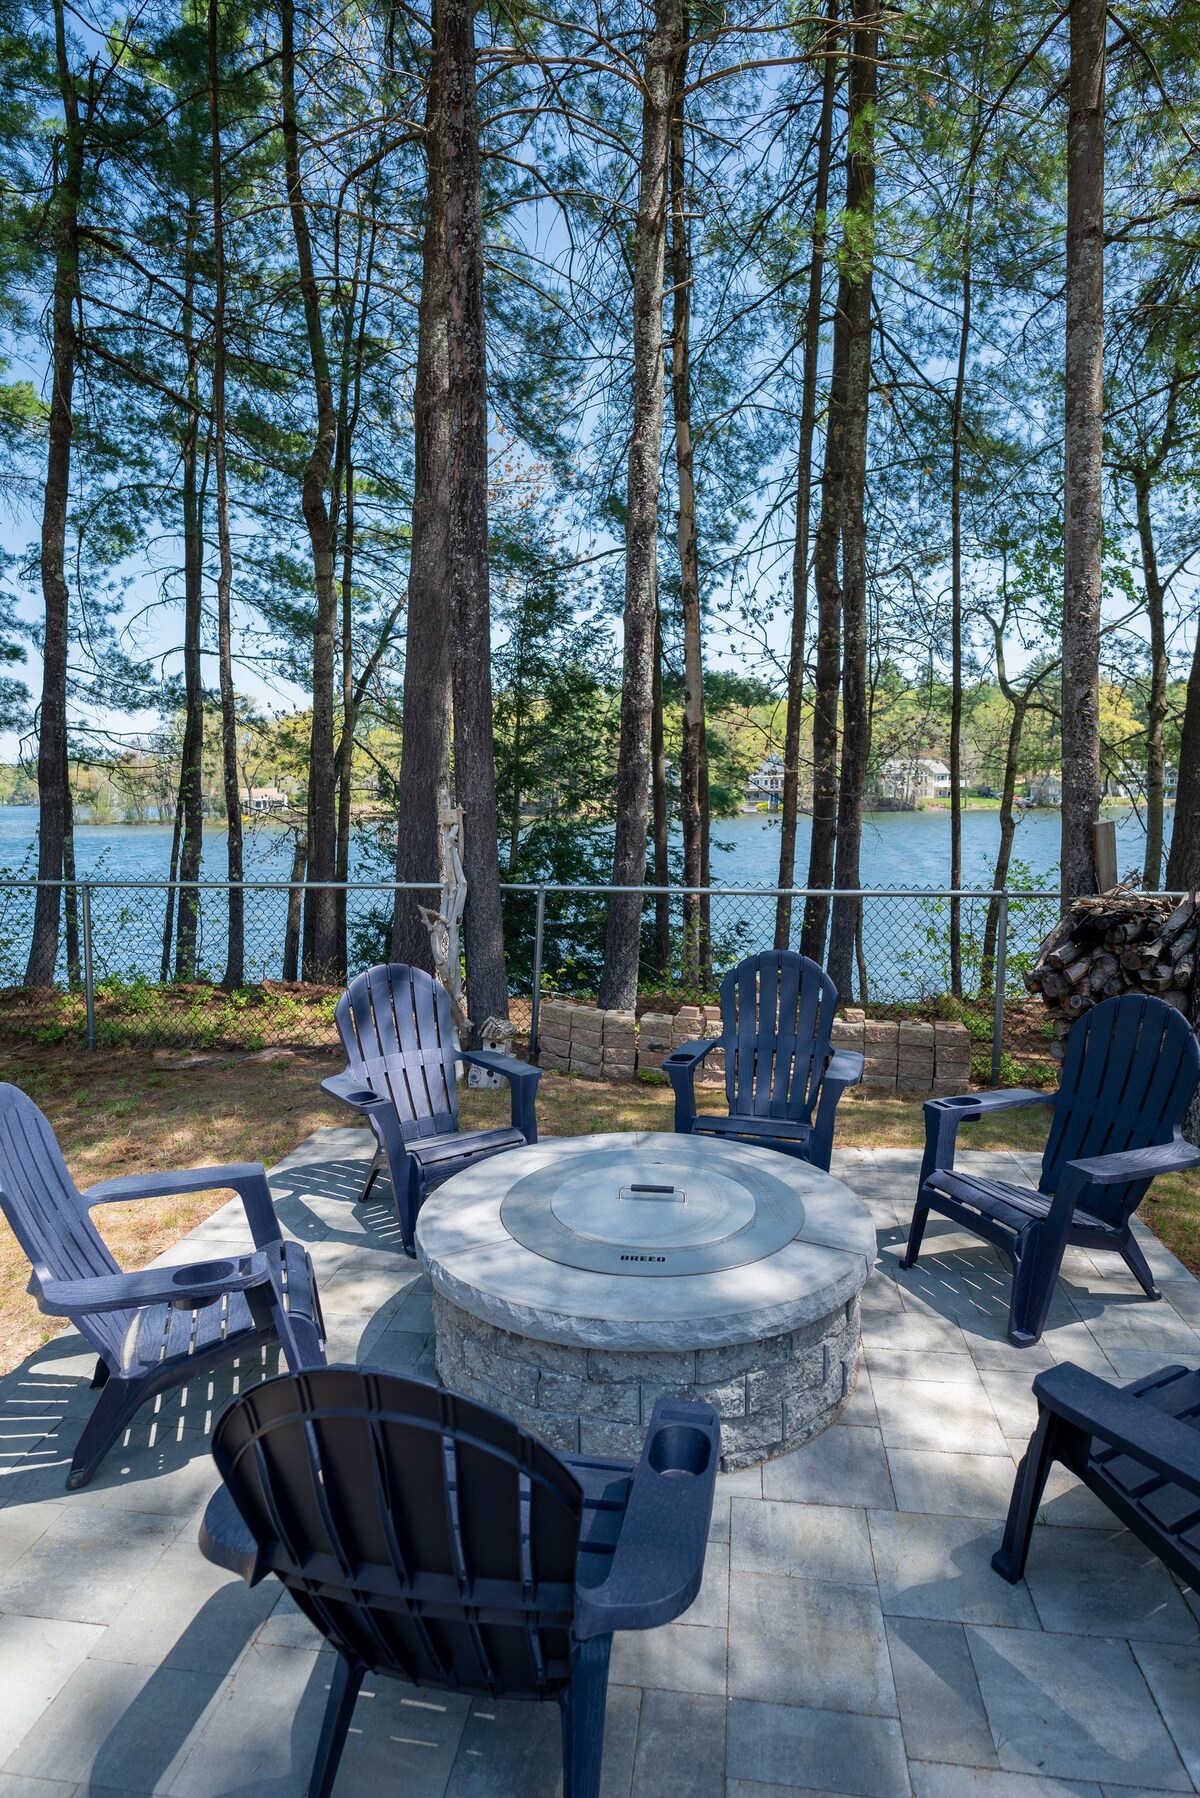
771, 1394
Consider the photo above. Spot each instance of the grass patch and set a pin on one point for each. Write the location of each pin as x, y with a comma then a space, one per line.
121, 1111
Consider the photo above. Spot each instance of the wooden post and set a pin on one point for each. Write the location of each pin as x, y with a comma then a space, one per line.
1104, 849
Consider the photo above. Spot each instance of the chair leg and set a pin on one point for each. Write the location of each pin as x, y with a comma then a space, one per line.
583, 1705
916, 1231
343, 1695
1037, 1258
408, 1203
1009, 1558
373, 1173
1138, 1266
115, 1409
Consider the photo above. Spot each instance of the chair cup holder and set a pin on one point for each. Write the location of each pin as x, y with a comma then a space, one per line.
680, 1448
201, 1273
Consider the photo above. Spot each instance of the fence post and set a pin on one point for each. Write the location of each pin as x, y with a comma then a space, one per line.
538, 932
89, 984
999, 976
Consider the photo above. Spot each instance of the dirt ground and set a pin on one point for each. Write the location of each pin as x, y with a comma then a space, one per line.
125, 1111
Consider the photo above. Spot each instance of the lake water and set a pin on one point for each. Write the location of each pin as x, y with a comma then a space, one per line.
900, 849
904, 940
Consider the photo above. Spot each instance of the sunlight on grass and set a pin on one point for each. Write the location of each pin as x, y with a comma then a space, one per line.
119, 1112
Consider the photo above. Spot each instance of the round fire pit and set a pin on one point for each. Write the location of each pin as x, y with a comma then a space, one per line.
576, 1281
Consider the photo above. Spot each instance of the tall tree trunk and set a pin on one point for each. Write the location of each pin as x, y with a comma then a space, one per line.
858, 257
52, 720
295, 907
474, 742
618, 985
324, 955
168, 934
790, 797
425, 747
956, 607
191, 766
1084, 443
693, 759
235, 941
70, 891
658, 788
349, 402
1156, 705
827, 682
1183, 863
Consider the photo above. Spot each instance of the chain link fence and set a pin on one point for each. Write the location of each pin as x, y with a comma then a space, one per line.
123, 980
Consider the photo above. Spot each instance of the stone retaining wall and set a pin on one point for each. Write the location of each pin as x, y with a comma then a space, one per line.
771, 1395
911, 1058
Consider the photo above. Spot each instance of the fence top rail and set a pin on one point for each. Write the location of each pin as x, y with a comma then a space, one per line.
550, 886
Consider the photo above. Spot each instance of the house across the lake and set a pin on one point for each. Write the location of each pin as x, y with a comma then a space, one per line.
765, 786
908, 779
261, 800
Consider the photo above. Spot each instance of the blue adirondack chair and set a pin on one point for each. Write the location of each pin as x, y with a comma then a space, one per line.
1131, 1069
158, 1329
783, 1079
1136, 1447
397, 1030
429, 1539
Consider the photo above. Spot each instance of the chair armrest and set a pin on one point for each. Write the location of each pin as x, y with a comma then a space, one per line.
187, 1288
690, 1055
247, 1178
1123, 1420
225, 1538
522, 1084
353, 1090
680, 1068
658, 1562
844, 1068
1128, 1165
943, 1116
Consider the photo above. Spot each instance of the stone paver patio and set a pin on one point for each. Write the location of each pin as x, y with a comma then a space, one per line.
850, 1637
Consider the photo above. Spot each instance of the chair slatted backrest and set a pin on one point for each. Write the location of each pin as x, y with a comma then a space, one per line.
1131, 1069
48, 1217
422, 1534
397, 1030
777, 1011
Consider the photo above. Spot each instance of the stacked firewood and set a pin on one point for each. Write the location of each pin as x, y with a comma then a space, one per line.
1118, 942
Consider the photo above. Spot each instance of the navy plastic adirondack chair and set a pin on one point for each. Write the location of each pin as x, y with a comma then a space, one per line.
397, 1030
783, 1079
430, 1539
1131, 1068
1136, 1447
155, 1330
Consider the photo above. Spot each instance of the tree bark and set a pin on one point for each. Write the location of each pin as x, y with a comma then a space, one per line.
1183, 863
693, 760
790, 796
324, 956
1156, 704
1084, 442
235, 943
191, 761
956, 607
52, 767
658, 787
618, 986
425, 747
854, 304
827, 682
474, 753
